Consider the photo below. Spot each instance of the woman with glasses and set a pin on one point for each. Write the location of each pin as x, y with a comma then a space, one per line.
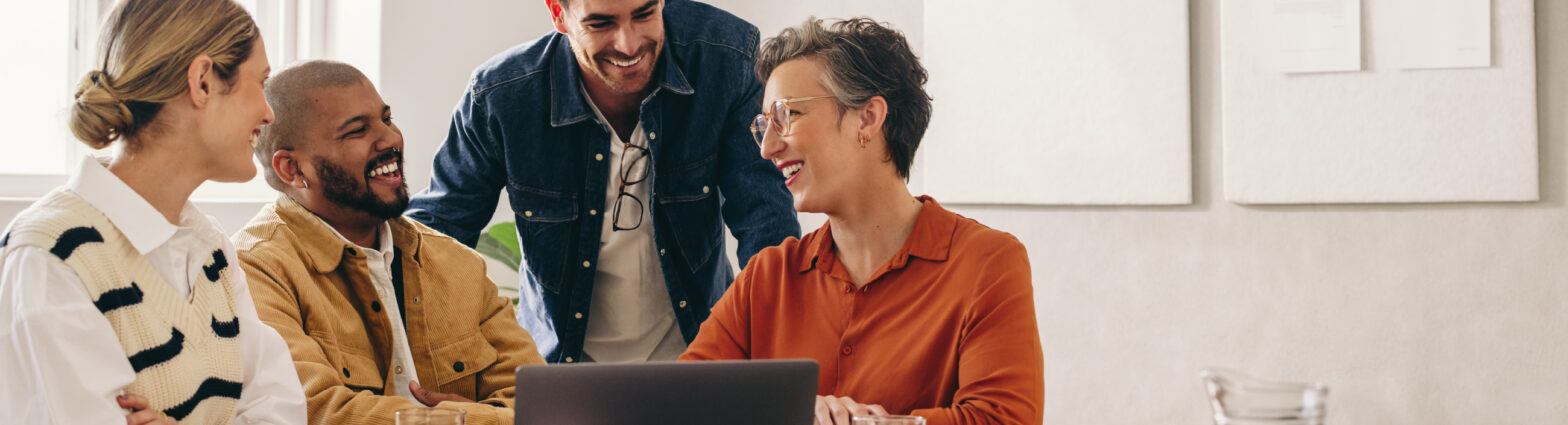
120, 302
908, 308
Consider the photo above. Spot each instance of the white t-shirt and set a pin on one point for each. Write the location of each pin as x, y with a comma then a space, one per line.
630, 318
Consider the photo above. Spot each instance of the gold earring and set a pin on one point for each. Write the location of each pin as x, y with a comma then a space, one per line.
306, 182
862, 142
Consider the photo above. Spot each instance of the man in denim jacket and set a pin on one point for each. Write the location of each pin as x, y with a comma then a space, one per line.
620, 139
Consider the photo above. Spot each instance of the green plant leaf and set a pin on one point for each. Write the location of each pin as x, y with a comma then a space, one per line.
506, 234
494, 249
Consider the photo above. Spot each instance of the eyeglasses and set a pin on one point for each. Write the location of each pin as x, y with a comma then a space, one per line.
630, 175
775, 116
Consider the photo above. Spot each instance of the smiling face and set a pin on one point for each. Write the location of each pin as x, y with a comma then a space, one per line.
355, 151
616, 42
231, 120
821, 158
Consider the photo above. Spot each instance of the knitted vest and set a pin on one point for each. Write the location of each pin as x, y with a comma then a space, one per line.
186, 354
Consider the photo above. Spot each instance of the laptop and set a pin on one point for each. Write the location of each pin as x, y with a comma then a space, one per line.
743, 392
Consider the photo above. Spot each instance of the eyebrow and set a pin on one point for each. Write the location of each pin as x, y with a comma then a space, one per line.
646, 7
351, 121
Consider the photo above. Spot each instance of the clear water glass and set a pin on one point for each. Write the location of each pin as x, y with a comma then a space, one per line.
888, 420
1239, 399
430, 416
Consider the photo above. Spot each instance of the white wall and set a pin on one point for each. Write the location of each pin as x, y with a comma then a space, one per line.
1412, 314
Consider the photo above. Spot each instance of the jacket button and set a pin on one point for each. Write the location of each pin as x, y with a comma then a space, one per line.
847, 350
345, 372
528, 213
416, 300
661, 251
683, 303
652, 135
598, 157
579, 315
399, 369
375, 306
593, 212
704, 189
459, 366
587, 264
568, 359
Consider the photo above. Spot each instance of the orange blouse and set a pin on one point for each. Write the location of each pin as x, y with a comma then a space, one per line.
945, 330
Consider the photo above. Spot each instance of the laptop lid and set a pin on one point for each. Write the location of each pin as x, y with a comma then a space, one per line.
742, 392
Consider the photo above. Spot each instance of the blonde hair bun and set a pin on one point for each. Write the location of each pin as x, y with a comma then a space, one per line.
98, 117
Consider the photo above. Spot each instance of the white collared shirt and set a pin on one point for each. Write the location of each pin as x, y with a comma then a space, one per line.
631, 319
62, 362
380, 263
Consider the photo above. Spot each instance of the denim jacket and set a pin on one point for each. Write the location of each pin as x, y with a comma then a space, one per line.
524, 125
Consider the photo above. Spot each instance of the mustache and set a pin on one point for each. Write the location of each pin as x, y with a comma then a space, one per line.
393, 154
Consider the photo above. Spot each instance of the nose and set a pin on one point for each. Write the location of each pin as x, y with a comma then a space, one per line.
772, 144
626, 40
391, 137
268, 117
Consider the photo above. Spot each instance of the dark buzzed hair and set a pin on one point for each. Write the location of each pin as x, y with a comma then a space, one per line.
288, 92
862, 58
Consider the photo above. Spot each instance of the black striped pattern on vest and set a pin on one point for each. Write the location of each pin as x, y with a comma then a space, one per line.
5, 240
116, 298
212, 387
218, 263
73, 238
159, 354
227, 329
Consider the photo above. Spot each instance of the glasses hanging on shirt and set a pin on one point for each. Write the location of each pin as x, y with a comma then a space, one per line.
628, 210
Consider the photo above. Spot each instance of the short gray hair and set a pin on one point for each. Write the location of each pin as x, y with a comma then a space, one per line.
288, 92
862, 59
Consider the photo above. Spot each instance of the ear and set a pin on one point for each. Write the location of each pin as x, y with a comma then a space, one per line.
199, 80
556, 15
287, 168
872, 115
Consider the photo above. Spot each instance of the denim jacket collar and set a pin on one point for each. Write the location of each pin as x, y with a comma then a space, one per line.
567, 105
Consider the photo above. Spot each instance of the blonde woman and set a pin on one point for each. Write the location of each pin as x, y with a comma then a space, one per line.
119, 301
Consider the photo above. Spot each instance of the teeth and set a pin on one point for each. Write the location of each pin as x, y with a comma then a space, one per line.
791, 170
385, 169
627, 63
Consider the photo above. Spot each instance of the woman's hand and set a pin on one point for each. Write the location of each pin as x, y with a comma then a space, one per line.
140, 414
838, 410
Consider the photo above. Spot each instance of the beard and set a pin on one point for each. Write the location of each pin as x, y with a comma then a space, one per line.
634, 84
341, 187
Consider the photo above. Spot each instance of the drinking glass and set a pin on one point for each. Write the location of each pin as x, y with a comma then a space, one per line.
888, 420
429, 416
1238, 399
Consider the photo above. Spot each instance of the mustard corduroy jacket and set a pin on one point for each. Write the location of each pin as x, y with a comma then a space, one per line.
315, 289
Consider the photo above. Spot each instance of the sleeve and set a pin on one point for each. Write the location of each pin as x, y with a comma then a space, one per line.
757, 206
1001, 376
467, 176
62, 362
272, 392
726, 335
516, 348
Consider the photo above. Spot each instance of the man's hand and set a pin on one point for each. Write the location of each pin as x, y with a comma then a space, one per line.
140, 414
431, 398
838, 410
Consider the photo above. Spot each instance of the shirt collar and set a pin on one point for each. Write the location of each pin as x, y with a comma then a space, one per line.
325, 248
931, 239
131, 214
568, 105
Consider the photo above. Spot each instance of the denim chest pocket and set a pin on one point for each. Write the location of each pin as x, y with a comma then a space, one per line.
546, 220
690, 200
